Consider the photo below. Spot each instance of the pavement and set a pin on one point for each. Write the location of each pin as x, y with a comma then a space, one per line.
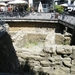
31, 17
41, 16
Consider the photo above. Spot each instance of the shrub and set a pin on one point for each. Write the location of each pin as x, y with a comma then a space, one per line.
59, 9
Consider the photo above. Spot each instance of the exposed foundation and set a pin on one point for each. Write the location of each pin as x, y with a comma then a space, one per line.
42, 51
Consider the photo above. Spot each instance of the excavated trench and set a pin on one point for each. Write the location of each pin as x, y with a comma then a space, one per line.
40, 51
39, 37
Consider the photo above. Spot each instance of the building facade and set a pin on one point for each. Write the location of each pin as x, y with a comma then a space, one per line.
58, 2
46, 4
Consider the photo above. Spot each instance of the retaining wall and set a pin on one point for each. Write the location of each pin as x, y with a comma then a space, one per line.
52, 60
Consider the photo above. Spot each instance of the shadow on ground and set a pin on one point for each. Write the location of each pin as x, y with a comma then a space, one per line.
9, 62
29, 71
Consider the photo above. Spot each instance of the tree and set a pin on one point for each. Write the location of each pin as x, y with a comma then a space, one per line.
59, 9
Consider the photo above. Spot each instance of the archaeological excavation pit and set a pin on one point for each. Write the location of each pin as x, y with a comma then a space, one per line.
43, 50
36, 34
38, 39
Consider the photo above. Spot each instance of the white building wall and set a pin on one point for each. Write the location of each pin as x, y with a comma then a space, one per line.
69, 1
30, 3
74, 3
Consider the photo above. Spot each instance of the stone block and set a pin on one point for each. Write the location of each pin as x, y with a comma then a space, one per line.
16, 35
45, 63
42, 54
50, 38
65, 69
51, 59
73, 62
31, 56
67, 62
64, 49
36, 68
19, 50
52, 64
6, 26
20, 59
57, 58
73, 70
67, 40
36, 63
19, 54
50, 49
59, 39
38, 58
59, 71
58, 63
47, 70
73, 53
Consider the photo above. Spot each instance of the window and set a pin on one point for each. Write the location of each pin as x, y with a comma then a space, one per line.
72, 2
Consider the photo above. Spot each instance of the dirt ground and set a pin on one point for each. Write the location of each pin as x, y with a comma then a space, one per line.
22, 28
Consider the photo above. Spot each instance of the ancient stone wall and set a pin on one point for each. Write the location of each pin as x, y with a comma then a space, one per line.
52, 60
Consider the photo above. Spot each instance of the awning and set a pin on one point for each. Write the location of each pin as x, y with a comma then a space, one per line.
3, 4
67, 5
18, 2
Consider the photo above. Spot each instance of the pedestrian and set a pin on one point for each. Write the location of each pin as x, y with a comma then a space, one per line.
63, 15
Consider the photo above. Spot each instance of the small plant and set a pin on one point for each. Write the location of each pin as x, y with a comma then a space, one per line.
31, 44
59, 9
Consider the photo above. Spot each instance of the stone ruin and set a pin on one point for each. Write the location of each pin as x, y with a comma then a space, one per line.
44, 52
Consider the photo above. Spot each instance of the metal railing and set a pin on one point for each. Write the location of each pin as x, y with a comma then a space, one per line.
28, 16
67, 18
